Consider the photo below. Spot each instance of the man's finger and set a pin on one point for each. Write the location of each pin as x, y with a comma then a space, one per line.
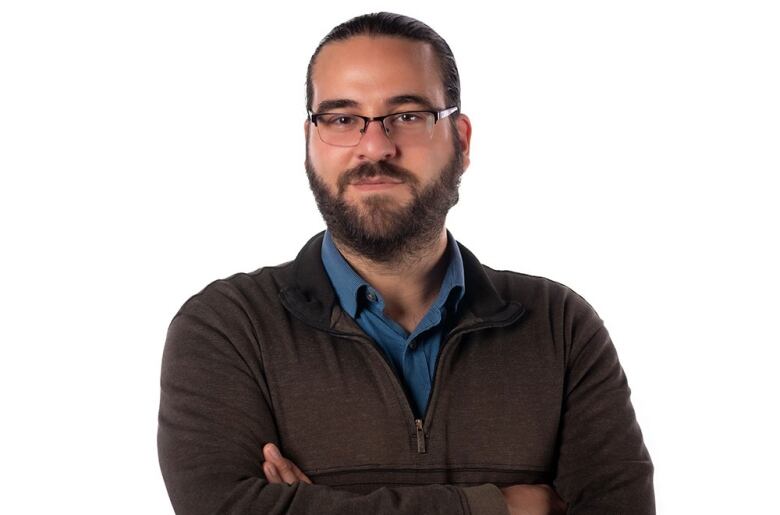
281, 465
299, 474
286, 471
284, 468
270, 473
271, 452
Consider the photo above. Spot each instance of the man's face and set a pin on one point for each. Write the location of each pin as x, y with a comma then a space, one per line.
379, 198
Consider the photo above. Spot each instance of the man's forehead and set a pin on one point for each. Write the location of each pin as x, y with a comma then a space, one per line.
376, 70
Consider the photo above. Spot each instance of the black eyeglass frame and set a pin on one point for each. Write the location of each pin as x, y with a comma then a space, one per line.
437, 115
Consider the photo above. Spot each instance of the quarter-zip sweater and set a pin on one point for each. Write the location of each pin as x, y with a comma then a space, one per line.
527, 389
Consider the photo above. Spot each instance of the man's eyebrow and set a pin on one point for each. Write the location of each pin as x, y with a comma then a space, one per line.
340, 103
411, 99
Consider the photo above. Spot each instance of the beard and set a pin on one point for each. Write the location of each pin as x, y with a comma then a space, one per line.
381, 229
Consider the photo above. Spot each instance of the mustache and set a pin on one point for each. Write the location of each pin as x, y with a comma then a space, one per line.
368, 170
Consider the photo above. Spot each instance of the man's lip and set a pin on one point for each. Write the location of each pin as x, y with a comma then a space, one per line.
376, 180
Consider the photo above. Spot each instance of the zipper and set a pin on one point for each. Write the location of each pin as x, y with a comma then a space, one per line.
418, 424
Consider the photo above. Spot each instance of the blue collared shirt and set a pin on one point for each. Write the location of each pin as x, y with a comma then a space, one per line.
412, 354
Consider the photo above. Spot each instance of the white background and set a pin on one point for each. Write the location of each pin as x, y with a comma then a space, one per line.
626, 149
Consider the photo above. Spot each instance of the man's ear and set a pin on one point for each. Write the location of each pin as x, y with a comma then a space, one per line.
463, 125
306, 137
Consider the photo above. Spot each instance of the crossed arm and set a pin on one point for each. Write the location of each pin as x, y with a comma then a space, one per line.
520, 499
216, 418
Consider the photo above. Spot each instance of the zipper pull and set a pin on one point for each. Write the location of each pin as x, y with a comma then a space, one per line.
420, 436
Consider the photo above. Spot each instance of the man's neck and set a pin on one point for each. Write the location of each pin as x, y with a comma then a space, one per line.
408, 287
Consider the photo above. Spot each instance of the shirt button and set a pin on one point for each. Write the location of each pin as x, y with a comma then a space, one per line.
371, 296
413, 345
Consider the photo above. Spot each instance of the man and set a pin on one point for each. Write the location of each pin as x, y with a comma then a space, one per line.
385, 370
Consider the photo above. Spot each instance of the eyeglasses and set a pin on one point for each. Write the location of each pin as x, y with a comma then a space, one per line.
346, 130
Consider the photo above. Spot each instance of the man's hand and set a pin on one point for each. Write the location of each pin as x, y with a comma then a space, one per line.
278, 469
533, 500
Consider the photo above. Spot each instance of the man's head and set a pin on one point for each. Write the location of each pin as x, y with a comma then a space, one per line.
385, 196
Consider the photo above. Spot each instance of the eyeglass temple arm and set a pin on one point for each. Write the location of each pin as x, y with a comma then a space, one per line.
446, 113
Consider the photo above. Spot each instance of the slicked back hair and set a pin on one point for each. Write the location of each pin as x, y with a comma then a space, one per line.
396, 25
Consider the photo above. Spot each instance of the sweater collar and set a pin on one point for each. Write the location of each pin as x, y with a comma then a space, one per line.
350, 286
306, 291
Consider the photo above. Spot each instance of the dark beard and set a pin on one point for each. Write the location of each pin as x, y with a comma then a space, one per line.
385, 232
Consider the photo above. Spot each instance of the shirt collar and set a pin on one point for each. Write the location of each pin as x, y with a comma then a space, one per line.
349, 286
346, 282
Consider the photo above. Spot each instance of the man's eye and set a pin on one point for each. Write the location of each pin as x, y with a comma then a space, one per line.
409, 117
339, 120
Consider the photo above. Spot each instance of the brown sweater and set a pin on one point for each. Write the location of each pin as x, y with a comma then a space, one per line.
528, 389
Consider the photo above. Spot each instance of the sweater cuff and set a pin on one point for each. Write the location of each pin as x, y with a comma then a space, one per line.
485, 499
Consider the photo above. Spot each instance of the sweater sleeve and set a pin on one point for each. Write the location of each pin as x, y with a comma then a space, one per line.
215, 416
603, 465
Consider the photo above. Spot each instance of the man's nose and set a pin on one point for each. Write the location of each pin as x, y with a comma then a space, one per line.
376, 144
